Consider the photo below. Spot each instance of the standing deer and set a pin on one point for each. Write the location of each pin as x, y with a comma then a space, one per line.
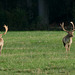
1, 39
67, 40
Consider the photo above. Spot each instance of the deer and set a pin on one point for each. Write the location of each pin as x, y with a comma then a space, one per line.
67, 40
1, 39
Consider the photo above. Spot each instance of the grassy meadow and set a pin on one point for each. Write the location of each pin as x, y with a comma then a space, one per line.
36, 53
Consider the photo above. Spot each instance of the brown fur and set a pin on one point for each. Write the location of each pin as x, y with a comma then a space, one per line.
1, 39
67, 40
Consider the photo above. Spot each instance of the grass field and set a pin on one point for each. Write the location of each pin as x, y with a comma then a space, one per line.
36, 53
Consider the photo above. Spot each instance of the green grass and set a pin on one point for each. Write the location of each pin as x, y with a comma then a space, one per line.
36, 53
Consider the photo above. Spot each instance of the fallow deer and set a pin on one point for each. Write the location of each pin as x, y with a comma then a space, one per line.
1, 39
67, 40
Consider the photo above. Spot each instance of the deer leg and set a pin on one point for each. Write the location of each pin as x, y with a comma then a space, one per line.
66, 46
66, 49
1, 48
69, 46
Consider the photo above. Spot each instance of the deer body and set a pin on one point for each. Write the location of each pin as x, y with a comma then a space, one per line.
1, 39
67, 40
1, 44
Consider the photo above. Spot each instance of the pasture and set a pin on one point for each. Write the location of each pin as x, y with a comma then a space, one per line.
36, 53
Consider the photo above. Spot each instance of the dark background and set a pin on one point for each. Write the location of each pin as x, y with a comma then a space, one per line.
19, 16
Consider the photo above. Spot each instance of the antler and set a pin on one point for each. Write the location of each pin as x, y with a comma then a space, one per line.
72, 25
6, 29
62, 25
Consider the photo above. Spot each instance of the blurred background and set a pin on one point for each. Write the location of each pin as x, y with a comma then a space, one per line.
28, 15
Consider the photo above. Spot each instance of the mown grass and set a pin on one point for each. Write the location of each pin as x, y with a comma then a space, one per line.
36, 53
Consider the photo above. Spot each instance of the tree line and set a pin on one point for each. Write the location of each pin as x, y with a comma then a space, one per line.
19, 16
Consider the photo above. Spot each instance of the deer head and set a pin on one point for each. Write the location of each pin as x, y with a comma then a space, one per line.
70, 33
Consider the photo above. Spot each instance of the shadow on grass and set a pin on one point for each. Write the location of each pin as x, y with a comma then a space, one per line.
44, 71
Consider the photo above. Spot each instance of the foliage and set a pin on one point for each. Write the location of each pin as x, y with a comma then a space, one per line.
18, 15
73, 12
